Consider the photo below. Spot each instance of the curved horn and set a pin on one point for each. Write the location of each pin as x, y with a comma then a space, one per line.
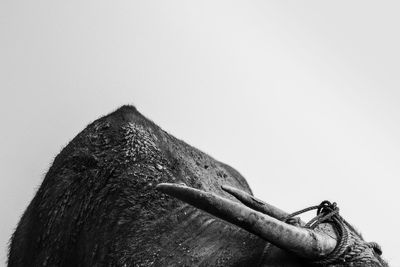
303, 242
254, 203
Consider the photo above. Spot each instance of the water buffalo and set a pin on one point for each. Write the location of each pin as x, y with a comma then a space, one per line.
99, 205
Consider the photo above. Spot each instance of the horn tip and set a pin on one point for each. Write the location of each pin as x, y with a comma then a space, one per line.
227, 188
164, 187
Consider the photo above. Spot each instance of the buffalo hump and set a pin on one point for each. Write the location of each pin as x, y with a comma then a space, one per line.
97, 205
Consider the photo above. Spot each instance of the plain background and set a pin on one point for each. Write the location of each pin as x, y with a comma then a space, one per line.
302, 97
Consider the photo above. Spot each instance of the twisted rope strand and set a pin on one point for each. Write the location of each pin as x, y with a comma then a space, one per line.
327, 212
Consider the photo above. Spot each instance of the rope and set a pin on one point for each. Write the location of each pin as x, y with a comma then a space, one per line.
328, 212
350, 248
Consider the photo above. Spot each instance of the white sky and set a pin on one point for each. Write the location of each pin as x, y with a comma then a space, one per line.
301, 98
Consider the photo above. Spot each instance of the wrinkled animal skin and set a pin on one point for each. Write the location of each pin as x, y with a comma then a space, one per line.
97, 205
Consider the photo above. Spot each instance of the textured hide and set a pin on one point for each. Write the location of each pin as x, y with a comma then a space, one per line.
97, 205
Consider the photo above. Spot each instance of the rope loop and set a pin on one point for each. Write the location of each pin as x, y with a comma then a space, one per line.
350, 245
328, 212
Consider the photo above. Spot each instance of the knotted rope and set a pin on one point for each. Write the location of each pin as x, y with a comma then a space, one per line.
349, 245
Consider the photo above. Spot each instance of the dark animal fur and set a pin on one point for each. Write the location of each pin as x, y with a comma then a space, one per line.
97, 205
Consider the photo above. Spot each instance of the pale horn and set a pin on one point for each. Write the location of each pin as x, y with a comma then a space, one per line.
256, 204
259, 205
303, 242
